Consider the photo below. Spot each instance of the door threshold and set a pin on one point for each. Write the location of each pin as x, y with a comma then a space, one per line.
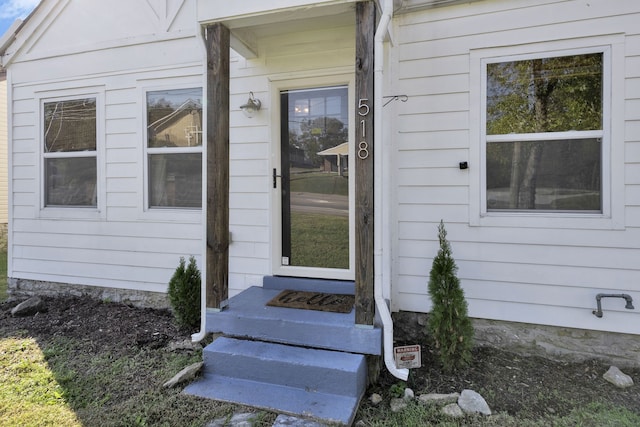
347, 287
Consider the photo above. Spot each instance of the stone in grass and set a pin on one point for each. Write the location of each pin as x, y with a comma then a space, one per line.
453, 410
438, 399
473, 403
29, 307
375, 399
616, 377
409, 394
290, 421
187, 374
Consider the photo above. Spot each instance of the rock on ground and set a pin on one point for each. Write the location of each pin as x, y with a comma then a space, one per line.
290, 421
375, 399
472, 403
616, 377
438, 399
453, 410
187, 374
29, 307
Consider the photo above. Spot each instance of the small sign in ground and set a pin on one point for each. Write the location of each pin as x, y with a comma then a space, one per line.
408, 356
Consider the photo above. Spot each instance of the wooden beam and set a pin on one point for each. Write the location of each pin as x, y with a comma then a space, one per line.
365, 31
217, 104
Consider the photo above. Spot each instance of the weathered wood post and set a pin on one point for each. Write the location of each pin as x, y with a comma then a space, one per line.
365, 31
217, 41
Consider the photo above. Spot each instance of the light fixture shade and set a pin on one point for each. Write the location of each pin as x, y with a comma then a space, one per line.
251, 107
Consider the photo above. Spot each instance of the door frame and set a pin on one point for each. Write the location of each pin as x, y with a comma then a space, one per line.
278, 85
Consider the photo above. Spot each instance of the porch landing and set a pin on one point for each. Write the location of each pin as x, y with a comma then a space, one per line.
301, 362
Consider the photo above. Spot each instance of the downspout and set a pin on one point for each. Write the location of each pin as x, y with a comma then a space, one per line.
199, 336
380, 195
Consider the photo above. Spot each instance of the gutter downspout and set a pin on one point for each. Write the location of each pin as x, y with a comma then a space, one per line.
200, 335
380, 194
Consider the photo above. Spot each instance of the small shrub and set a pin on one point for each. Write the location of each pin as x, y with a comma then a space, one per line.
448, 323
184, 294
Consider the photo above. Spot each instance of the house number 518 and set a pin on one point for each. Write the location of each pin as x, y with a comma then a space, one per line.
363, 112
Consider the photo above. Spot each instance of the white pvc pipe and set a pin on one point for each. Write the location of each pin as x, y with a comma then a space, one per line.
199, 336
381, 196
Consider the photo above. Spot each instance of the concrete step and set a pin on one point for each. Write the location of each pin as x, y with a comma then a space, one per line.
247, 315
321, 384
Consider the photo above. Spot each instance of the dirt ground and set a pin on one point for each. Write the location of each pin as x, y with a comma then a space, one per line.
520, 386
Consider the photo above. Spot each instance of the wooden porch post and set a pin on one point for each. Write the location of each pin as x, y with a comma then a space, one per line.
217, 41
365, 30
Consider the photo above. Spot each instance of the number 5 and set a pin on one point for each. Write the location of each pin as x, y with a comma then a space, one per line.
363, 104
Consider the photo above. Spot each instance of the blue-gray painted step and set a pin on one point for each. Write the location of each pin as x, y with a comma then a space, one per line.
247, 315
326, 385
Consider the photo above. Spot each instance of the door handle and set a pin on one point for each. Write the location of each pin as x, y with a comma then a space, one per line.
275, 178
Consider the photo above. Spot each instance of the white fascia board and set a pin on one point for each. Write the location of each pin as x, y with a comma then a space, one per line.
258, 12
7, 38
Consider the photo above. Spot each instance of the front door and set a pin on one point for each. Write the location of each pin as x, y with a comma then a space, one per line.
315, 185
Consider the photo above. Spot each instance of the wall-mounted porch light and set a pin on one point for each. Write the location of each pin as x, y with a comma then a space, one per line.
251, 107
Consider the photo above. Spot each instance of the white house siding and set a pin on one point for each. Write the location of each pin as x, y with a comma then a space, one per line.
536, 271
3, 151
118, 56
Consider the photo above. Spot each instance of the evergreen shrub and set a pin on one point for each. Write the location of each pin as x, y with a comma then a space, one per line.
184, 294
448, 323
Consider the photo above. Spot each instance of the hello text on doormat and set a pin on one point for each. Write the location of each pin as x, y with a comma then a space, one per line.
336, 303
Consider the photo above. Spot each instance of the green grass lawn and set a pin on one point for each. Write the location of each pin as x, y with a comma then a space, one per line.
319, 240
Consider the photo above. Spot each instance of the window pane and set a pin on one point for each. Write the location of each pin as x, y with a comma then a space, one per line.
70, 125
71, 181
544, 175
175, 180
545, 95
174, 118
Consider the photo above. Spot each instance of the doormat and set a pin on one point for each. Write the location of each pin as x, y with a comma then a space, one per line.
335, 303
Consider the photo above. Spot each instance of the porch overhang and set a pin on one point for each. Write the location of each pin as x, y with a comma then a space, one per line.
249, 21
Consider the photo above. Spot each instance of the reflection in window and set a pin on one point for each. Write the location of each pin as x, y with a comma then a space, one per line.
70, 165
174, 148
559, 101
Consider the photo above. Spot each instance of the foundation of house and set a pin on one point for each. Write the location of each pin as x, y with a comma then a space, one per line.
557, 343
25, 288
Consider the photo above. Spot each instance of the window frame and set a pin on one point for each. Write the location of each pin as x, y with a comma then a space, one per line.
72, 211
147, 151
612, 155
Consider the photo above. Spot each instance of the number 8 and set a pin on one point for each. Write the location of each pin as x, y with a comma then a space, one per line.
363, 150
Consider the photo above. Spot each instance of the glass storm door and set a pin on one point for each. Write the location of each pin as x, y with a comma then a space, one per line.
315, 178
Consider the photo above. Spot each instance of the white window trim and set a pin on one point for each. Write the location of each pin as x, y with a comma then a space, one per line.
72, 212
170, 214
612, 215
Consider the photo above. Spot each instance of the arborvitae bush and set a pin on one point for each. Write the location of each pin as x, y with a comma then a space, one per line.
449, 323
184, 294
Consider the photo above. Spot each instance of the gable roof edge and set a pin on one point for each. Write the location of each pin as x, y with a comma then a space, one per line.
13, 37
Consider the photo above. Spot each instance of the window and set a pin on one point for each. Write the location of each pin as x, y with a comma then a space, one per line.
544, 134
174, 148
70, 161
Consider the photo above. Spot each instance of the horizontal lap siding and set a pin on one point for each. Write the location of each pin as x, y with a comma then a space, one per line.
527, 274
123, 247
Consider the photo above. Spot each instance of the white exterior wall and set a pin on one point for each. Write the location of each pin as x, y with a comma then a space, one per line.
117, 57
521, 267
4, 138
125, 245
